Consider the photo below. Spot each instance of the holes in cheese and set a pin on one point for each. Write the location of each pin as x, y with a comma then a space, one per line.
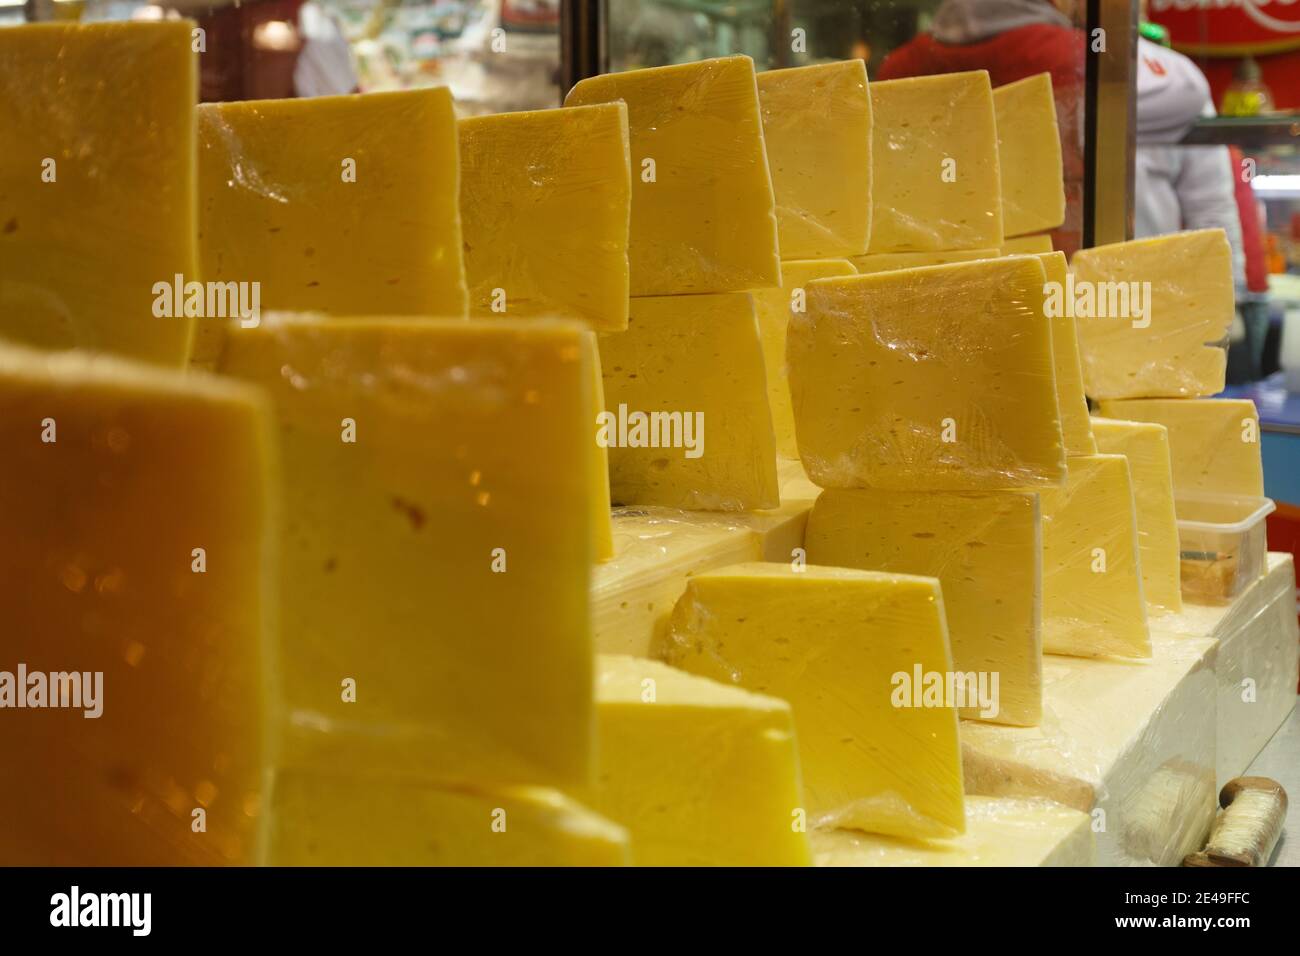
137, 564
408, 545
700, 772
97, 186
939, 378
333, 818
1153, 314
934, 150
1076, 426
1213, 442
703, 211
1029, 157
1093, 604
984, 548
545, 200
854, 652
817, 128
774, 307
1146, 446
686, 419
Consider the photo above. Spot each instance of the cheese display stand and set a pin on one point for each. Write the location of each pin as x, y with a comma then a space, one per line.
723, 468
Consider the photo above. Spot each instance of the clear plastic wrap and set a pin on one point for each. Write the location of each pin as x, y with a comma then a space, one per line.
1174, 345
545, 204
688, 421
857, 654
935, 155
928, 379
97, 185
1000, 831
817, 128
1222, 545
703, 210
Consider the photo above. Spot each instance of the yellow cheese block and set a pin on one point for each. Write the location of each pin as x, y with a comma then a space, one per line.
1213, 442
138, 586
854, 652
598, 463
1029, 156
332, 818
817, 126
1076, 427
888, 261
1026, 245
97, 186
545, 201
1000, 831
700, 772
437, 543
985, 549
656, 550
686, 410
774, 307
1184, 284
1146, 446
934, 148
347, 205
1093, 605
939, 378
703, 211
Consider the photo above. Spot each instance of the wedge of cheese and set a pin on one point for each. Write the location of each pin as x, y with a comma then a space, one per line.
1026, 245
774, 308
602, 528
137, 515
985, 548
817, 127
936, 183
97, 186
545, 198
1093, 604
1153, 314
700, 772
863, 658
687, 420
999, 832
434, 602
1029, 156
347, 205
337, 818
1076, 426
1146, 446
934, 379
703, 210
888, 261
1213, 442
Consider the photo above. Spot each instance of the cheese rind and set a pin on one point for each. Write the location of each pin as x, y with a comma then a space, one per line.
697, 363
139, 528
545, 201
1213, 442
938, 378
332, 818
98, 186
1076, 426
1146, 446
986, 551
888, 261
817, 129
1168, 352
936, 181
841, 645
1029, 156
470, 662
1093, 603
701, 773
774, 308
703, 210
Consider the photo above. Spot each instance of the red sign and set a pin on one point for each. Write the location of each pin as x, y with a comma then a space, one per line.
1229, 27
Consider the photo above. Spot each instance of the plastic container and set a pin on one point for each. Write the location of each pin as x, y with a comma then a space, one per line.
1221, 539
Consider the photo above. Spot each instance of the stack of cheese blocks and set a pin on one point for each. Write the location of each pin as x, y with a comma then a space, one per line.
349, 566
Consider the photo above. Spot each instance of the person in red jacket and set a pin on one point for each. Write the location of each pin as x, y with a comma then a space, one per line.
1012, 39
